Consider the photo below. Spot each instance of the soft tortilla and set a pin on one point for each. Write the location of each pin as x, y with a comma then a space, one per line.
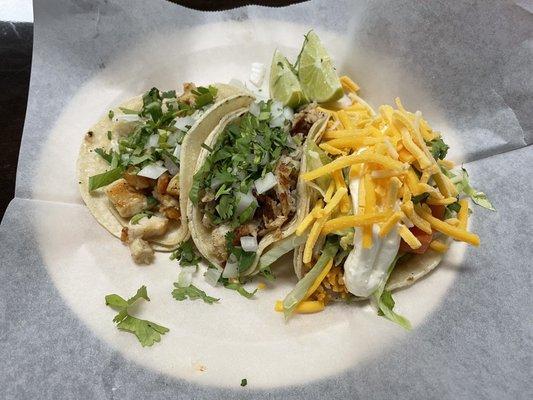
89, 163
201, 235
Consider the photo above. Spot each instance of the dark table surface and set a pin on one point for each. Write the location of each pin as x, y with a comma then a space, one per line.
16, 40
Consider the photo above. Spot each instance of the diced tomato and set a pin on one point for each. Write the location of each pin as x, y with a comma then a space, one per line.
437, 211
423, 237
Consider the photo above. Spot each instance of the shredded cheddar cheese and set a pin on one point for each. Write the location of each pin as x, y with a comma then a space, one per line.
437, 245
449, 230
305, 307
408, 237
462, 215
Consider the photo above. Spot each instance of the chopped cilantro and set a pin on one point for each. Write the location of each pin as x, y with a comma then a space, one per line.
111, 114
239, 289
438, 148
137, 217
102, 153
419, 198
268, 274
245, 259
247, 150
147, 332
244, 382
192, 293
187, 254
454, 207
109, 135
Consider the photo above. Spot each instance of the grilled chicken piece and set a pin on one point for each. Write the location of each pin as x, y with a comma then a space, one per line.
187, 96
173, 187
126, 200
162, 183
218, 235
138, 182
168, 205
141, 252
147, 228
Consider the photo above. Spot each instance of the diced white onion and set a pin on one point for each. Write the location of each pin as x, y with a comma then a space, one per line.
231, 270
153, 141
257, 74
344, 101
177, 151
276, 108
266, 183
114, 145
182, 123
288, 113
277, 122
244, 200
152, 171
127, 118
172, 139
249, 243
212, 275
255, 109
172, 167
216, 183
185, 276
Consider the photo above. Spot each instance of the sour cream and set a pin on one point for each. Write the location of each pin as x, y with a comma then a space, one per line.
366, 269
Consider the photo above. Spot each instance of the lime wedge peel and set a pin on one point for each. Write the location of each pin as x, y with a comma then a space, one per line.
284, 84
316, 73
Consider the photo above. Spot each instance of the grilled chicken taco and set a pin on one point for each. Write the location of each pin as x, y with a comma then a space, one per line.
245, 196
135, 163
382, 207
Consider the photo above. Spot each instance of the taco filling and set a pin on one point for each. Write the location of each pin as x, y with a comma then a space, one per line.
384, 198
246, 188
142, 182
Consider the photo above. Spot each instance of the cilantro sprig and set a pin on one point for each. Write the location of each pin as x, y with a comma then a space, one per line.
191, 292
187, 254
147, 332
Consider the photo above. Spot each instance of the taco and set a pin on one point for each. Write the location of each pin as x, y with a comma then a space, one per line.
245, 199
382, 207
134, 165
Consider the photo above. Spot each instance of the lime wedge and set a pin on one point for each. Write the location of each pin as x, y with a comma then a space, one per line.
317, 75
284, 85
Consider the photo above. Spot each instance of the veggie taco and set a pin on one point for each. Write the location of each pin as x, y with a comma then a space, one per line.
383, 209
246, 196
136, 162
381, 201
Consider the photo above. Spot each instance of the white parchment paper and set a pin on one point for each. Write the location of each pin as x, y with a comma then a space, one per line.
466, 65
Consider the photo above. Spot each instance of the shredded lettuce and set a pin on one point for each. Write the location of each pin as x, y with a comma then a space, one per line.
480, 198
384, 302
316, 158
297, 295
279, 249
